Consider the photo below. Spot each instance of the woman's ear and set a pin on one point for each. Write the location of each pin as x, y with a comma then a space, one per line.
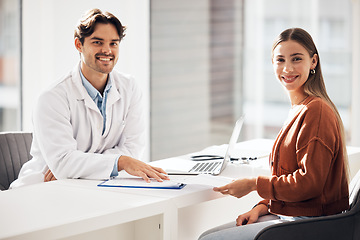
314, 61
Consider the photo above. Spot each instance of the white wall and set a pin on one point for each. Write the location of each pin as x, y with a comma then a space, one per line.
179, 77
48, 44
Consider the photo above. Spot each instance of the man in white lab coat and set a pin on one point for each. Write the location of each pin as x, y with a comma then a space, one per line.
90, 124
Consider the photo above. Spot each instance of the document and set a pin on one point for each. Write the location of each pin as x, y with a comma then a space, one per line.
203, 179
135, 182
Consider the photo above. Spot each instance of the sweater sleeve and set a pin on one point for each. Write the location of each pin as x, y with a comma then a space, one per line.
301, 174
264, 202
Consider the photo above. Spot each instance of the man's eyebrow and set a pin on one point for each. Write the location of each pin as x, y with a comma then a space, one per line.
97, 38
101, 39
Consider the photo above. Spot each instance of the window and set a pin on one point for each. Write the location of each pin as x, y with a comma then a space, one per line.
329, 24
210, 63
9, 65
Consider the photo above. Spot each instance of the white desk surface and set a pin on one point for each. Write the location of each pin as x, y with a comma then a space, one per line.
55, 210
64, 208
197, 193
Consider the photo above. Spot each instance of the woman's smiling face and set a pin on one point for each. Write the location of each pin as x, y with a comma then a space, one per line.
292, 64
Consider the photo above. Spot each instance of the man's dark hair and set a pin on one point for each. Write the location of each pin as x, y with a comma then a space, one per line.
87, 23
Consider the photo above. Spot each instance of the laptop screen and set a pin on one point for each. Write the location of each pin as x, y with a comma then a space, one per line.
233, 140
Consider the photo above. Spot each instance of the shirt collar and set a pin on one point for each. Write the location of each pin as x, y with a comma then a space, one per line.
93, 92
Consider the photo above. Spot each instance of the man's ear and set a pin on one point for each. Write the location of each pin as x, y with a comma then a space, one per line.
78, 45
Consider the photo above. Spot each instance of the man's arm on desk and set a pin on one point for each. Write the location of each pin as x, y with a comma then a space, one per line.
131, 166
138, 168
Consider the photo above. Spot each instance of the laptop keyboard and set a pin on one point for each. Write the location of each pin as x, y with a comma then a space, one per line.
205, 167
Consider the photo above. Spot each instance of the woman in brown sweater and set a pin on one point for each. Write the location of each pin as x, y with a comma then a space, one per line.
308, 161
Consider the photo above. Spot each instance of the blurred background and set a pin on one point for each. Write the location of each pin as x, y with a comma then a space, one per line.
202, 64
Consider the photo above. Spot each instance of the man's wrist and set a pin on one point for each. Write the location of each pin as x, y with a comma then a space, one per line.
120, 163
115, 171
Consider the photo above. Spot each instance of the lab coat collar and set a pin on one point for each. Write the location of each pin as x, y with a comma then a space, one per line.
81, 93
113, 94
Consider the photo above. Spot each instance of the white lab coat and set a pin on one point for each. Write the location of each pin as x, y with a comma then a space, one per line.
68, 127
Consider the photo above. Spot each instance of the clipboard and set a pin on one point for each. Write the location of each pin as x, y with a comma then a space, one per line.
133, 182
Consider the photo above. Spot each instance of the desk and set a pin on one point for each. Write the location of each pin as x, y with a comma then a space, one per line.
56, 210
78, 209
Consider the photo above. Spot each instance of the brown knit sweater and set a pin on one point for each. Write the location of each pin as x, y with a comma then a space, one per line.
308, 175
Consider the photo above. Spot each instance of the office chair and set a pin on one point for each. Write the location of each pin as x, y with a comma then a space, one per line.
344, 226
14, 152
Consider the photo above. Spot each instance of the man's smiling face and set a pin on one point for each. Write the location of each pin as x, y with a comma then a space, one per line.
100, 51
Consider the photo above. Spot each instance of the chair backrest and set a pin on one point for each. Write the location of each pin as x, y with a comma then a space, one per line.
354, 199
14, 152
354, 191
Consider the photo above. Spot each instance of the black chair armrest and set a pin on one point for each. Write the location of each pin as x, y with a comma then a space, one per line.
340, 226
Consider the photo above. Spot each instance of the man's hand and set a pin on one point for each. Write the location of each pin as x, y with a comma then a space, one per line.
141, 169
49, 176
238, 188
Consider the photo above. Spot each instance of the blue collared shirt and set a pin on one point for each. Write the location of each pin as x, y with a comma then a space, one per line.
96, 96
100, 102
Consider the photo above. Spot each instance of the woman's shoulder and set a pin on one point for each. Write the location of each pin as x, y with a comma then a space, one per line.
319, 121
317, 113
318, 107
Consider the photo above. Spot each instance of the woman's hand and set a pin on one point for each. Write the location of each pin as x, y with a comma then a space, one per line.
49, 176
138, 168
238, 188
252, 216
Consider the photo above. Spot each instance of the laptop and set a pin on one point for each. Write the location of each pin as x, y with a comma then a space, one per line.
182, 166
